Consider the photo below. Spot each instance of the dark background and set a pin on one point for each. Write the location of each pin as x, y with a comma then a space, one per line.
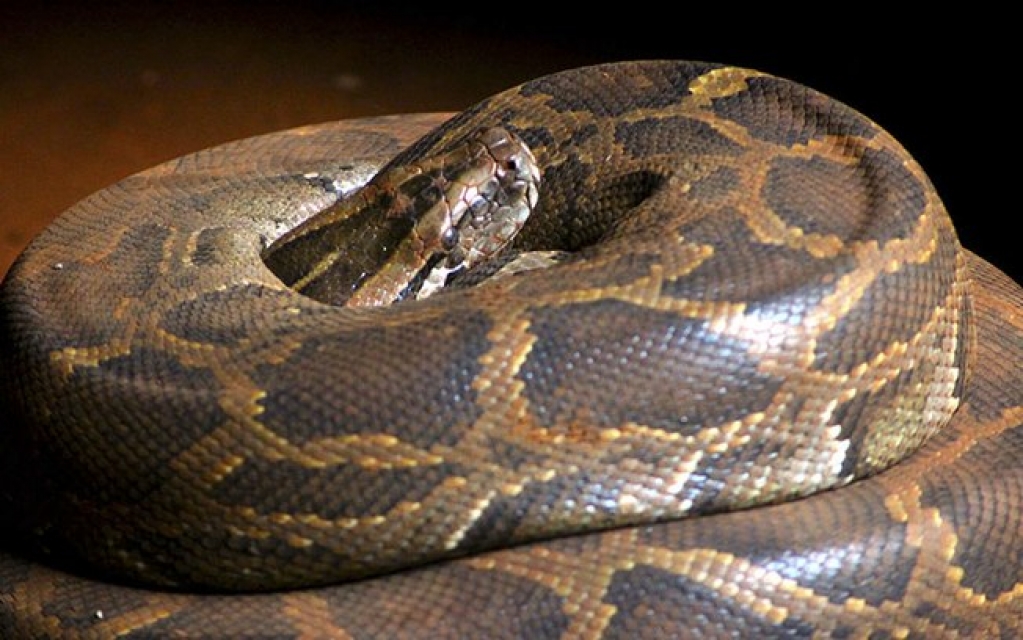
92, 93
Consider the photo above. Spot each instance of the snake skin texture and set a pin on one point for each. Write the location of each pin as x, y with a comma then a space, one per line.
766, 395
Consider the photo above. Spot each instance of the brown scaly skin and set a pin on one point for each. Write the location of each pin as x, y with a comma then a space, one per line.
768, 299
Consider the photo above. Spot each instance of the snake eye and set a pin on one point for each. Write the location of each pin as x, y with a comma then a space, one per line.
512, 164
449, 239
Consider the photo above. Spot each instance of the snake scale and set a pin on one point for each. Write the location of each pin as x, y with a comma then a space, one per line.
765, 394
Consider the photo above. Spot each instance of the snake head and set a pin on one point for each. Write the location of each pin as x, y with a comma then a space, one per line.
413, 225
490, 203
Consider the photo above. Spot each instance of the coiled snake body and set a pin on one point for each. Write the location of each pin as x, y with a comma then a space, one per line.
763, 300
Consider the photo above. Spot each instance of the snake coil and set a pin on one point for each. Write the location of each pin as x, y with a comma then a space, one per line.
764, 300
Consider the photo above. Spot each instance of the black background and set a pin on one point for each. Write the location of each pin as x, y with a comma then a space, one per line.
183, 75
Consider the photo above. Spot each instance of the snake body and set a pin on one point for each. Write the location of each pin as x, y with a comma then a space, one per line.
767, 394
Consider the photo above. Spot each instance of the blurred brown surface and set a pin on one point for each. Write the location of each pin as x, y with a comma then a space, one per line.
89, 95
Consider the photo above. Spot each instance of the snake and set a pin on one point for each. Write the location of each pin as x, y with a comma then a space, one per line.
275, 389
